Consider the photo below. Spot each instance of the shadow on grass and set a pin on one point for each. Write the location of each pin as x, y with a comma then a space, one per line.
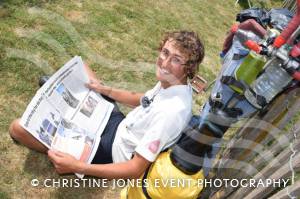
4, 195
81, 192
39, 167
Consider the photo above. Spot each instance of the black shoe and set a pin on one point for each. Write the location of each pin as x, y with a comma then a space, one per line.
43, 80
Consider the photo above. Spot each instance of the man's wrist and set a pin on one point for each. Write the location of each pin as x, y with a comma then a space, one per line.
81, 167
108, 91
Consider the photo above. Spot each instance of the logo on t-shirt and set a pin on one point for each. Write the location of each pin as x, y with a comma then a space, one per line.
153, 146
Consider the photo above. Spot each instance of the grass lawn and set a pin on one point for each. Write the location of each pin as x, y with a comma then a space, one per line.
119, 40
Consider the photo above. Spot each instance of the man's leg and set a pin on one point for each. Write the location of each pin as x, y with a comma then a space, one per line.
18, 133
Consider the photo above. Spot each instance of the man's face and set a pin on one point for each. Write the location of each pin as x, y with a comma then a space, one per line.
170, 65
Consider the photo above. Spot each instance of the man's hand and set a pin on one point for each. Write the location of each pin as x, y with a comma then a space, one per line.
131, 169
93, 84
64, 163
97, 86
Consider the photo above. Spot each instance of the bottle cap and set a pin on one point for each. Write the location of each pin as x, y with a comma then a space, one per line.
279, 41
252, 45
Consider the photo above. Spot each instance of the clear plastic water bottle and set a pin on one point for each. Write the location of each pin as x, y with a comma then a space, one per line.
270, 83
244, 35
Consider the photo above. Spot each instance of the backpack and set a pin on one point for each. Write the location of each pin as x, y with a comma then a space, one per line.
279, 18
258, 14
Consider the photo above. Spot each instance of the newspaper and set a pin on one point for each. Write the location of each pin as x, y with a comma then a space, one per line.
65, 115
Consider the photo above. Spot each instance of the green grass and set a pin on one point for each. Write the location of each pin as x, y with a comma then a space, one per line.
260, 3
114, 37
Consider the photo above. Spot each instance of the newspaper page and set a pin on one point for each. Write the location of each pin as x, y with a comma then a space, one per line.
65, 115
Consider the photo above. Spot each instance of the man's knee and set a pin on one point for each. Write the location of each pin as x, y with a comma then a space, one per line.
15, 129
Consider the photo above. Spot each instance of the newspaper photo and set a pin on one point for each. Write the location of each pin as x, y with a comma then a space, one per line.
65, 115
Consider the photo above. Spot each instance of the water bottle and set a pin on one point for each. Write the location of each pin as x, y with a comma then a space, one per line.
252, 63
244, 35
250, 68
269, 83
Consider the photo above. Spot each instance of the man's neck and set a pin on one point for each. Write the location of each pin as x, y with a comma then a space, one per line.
166, 85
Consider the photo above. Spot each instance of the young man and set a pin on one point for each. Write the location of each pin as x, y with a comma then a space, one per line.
129, 145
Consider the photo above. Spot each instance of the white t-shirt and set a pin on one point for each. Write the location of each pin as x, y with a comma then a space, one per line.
150, 130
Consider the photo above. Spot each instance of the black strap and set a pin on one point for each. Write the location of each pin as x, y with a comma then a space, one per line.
215, 104
233, 112
260, 100
290, 70
229, 80
144, 188
238, 56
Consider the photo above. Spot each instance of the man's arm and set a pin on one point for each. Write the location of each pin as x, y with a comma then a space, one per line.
129, 98
132, 169
122, 96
